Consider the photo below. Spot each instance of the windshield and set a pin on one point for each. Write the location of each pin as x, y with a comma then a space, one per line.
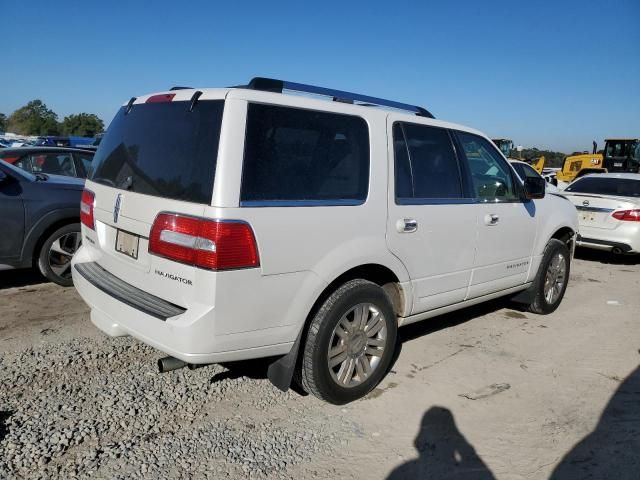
622, 148
623, 187
162, 149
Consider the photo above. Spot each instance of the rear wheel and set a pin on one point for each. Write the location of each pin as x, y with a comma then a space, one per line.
57, 250
552, 279
350, 343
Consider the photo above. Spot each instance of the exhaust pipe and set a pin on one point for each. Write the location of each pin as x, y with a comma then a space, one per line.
166, 364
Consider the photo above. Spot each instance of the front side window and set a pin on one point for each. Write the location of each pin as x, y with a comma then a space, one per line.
426, 164
492, 180
296, 155
524, 171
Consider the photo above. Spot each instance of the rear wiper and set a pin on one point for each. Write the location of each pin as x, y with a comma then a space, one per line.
41, 177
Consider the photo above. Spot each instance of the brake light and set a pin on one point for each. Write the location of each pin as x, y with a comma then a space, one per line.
86, 209
627, 215
210, 244
163, 97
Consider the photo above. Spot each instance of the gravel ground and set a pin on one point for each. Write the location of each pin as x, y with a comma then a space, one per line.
483, 393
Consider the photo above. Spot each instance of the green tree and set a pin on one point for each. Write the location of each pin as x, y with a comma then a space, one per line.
3, 122
34, 119
82, 124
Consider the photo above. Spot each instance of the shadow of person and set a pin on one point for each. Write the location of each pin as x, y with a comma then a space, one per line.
444, 452
612, 450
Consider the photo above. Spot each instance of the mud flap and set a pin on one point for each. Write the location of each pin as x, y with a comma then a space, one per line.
280, 373
525, 297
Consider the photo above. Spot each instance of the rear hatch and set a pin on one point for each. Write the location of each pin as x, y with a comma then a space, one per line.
157, 156
597, 198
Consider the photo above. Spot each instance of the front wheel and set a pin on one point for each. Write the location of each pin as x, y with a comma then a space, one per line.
552, 279
57, 250
350, 343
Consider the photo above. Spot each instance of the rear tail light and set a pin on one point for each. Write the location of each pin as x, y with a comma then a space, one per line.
210, 244
163, 97
627, 215
86, 209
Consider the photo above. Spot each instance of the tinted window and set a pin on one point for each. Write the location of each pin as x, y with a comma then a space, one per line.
24, 163
492, 180
162, 149
623, 187
87, 162
303, 155
426, 164
53, 163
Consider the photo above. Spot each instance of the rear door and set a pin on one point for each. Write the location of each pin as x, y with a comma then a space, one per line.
159, 156
506, 224
11, 217
432, 220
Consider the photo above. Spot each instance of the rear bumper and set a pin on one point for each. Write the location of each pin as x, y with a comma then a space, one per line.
607, 245
190, 336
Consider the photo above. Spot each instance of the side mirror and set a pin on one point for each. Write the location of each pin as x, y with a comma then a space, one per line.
534, 188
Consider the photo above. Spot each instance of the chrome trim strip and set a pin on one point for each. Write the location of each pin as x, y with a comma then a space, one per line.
302, 203
594, 209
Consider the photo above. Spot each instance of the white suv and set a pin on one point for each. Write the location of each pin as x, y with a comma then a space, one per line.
235, 223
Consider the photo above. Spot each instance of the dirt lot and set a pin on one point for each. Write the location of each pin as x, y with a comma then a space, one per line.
489, 392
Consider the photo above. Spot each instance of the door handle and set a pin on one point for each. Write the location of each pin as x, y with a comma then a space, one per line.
407, 225
491, 219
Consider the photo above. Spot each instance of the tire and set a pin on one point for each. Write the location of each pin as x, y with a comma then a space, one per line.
358, 321
556, 253
54, 259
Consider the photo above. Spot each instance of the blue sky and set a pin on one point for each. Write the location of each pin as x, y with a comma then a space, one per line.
552, 74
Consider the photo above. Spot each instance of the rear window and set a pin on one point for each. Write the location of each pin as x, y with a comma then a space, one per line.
162, 149
623, 187
295, 155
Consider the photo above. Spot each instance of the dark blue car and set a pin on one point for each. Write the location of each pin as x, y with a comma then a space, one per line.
39, 221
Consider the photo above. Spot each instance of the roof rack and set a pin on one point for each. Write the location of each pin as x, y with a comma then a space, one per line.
180, 88
277, 86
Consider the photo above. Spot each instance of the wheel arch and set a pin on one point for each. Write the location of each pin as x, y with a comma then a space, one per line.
43, 228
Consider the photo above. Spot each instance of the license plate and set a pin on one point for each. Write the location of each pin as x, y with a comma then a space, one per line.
590, 217
617, 164
127, 243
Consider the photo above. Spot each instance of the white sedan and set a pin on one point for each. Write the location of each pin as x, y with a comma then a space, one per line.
608, 211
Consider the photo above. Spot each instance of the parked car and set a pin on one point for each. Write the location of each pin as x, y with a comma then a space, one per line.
69, 162
39, 221
524, 170
236, 223
608, 210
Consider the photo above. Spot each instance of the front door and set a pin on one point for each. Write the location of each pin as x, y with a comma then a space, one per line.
432, 219
506, 223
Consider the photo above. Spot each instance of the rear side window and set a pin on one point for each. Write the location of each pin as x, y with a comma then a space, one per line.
426, 164
162, 149
86, 160
295, 155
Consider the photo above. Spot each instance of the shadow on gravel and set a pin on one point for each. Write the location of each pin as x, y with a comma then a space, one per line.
444, 452
254, 369
612, 449
20, 278
606, 257
4, 416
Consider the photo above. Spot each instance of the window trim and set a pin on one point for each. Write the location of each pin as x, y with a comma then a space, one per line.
515, 179
334, 202
466, 198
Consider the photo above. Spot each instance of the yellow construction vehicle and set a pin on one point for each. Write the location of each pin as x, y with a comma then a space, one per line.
579, 164
538, 165
506, 147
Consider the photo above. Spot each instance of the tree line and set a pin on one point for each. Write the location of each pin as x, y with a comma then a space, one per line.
35, 118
